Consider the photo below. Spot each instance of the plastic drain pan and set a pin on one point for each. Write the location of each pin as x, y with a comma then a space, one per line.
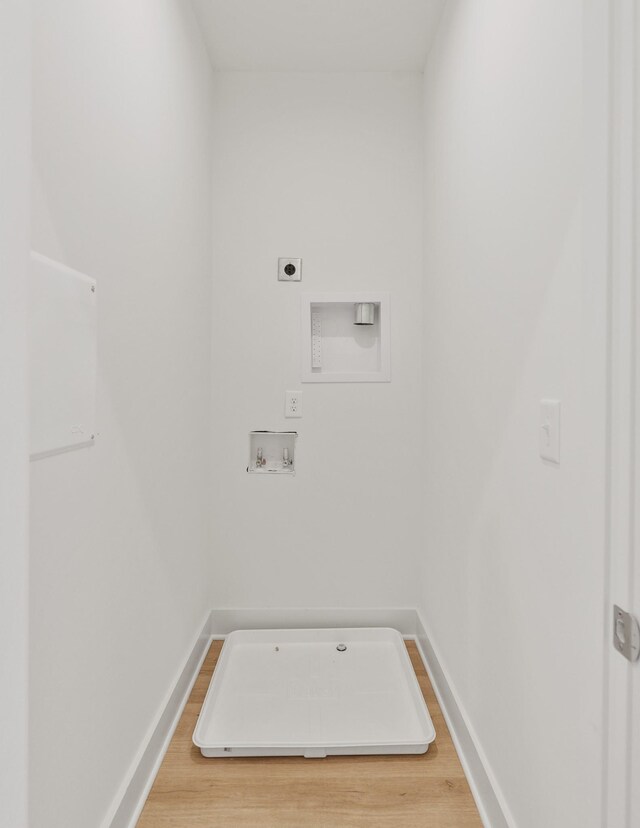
313, 693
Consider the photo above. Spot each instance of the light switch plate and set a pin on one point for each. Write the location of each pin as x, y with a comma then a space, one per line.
549, 430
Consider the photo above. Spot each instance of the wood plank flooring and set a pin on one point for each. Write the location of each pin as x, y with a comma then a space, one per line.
426, 791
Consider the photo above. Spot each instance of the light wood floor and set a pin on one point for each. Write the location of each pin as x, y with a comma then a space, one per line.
293, 792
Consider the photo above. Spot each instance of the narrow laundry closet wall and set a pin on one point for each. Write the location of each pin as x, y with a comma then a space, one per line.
513, 561
327, 167
120, 538
178, 188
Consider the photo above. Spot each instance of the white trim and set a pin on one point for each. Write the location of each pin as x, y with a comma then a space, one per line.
621, 25
15, 166
225, 621
597, 116
129, 801
492, 806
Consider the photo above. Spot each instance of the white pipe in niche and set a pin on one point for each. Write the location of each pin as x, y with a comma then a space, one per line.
365, 313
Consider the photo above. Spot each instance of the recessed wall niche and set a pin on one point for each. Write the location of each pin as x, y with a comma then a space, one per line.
344, 339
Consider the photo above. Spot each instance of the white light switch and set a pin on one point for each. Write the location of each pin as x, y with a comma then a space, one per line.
549, 432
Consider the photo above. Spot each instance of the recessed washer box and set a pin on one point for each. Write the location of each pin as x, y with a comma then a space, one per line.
336, 346
272, 452
313, 693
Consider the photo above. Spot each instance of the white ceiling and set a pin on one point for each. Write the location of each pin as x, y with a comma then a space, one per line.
318, 35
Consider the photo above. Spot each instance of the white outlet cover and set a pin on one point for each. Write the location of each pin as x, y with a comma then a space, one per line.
289, 270
292, 404
549, 430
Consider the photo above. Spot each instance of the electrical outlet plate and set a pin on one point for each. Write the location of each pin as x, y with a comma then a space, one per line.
289, 270
292, 404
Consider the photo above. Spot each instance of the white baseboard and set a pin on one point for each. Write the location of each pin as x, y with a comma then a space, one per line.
130, 800
224, 621
132, 795
493, 810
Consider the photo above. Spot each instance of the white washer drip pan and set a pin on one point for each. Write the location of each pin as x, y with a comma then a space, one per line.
299, 693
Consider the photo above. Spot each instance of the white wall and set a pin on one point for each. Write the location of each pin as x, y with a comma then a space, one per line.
512, 583
15, 125
120, 531
326, 167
